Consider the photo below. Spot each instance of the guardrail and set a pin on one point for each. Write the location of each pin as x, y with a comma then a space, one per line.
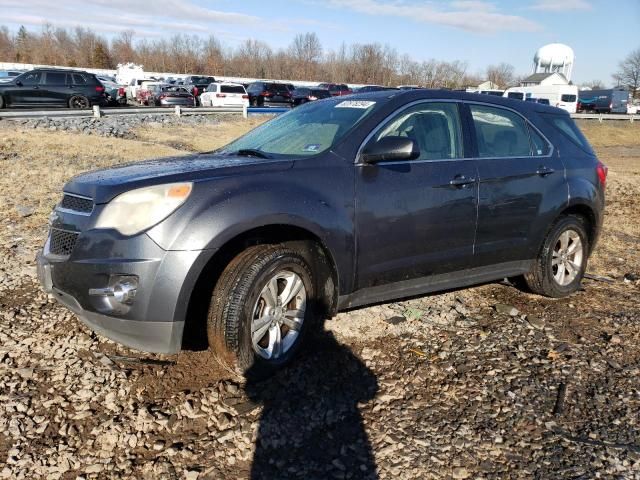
98, 112
605, 116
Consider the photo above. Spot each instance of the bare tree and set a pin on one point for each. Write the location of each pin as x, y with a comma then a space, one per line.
628, 73
502, 74
307, 49
594, 84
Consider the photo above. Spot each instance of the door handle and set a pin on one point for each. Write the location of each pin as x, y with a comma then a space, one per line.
544, 171
461, 181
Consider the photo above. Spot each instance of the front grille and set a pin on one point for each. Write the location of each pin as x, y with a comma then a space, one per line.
62, 242
76, 204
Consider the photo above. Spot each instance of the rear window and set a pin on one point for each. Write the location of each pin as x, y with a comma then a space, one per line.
569, 129
232, 89
568, 98
516, 95
500, 133
278, 87
55, 78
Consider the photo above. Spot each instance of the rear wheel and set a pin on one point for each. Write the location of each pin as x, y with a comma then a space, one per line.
261, 309
79, 102
562, 261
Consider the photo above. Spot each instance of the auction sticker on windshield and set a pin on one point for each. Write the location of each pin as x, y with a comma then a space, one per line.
355, 104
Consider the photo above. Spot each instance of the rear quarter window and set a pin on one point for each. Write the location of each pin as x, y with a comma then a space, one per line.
568, 128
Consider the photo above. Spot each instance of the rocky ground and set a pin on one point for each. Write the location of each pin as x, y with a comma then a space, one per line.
121, 126
488, 382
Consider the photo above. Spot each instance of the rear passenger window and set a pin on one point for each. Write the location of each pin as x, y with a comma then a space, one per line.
500, 133
434, 127
55, 78
539, 145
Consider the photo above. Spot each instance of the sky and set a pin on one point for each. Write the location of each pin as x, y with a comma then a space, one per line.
479, 32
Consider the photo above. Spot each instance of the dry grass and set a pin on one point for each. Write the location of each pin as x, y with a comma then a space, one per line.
199, 139
611, 133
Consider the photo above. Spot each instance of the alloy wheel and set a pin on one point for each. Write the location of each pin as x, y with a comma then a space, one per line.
567, 257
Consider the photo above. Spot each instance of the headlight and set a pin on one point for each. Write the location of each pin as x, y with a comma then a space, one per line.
139, 209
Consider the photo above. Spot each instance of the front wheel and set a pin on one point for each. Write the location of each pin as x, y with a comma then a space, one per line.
261, 309
562, 261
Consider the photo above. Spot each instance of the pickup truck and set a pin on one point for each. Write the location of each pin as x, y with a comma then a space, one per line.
133, 87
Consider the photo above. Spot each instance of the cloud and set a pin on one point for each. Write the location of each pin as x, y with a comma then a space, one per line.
148, 19
560, 5
469, 15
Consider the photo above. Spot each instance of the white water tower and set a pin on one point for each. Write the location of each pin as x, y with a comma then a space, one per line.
555, 57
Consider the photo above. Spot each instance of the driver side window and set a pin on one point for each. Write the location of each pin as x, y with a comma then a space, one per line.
32, 78
434, 127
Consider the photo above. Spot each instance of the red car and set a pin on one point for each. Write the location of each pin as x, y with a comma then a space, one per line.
336, 89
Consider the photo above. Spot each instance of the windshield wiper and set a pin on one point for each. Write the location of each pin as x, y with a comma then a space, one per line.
251, 152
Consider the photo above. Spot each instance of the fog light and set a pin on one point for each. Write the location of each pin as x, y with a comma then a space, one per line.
121, 292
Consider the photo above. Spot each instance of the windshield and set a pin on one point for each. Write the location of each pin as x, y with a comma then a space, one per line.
305, 131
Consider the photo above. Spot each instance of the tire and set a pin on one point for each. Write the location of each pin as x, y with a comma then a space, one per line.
242, 302
562, 261
79, 102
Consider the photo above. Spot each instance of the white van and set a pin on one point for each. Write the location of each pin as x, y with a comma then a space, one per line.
561, 96
224, 95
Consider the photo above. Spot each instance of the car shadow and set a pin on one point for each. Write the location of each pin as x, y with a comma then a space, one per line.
311, 426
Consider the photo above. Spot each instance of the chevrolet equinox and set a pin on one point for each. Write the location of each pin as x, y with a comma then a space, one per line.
340, 203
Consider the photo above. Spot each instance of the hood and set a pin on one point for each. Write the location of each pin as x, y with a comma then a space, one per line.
104, 184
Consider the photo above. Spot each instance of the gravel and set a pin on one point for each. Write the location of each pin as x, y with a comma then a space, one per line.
120, 126
489, 382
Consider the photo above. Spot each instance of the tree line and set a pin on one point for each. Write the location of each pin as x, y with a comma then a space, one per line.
303, 59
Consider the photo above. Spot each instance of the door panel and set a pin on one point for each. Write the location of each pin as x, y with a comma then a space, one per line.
410, 220
54, 89
521, 186
29, 92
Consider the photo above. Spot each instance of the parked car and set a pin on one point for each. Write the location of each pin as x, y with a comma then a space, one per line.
53, 88
336, 89
373, 88
113, 90
633, 109
542, 101
197, 84
269, 94
224, 94
7, 75
146, 90
169, 96
342, 203
133, 87
304, 95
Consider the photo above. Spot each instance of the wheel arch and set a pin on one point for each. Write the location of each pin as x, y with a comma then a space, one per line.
312, 248
591, 220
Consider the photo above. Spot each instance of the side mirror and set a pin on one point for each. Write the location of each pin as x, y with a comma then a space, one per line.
18, 83
390, 148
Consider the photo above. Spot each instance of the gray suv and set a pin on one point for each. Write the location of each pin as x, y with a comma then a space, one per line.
339, 203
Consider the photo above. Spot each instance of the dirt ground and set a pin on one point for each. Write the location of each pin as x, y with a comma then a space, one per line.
486, 382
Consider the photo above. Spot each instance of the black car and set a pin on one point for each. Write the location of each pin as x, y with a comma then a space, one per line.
373, 88
196, 84
304, 95
53, 88
269, 93
339, 203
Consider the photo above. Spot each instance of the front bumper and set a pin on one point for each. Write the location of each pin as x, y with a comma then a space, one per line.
154, 321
